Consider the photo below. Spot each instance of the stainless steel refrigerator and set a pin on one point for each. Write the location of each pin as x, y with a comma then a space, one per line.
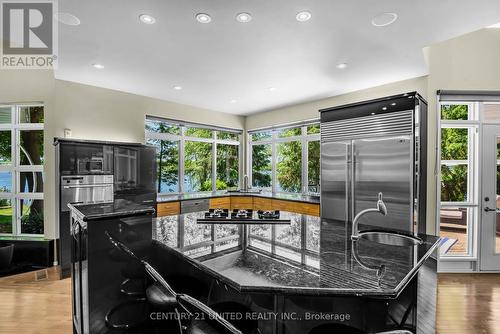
373, 147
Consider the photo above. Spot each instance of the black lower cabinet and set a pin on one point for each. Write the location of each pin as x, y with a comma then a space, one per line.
108, 288
22, 254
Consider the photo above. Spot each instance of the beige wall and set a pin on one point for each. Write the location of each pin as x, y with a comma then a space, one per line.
309, 110
98, 113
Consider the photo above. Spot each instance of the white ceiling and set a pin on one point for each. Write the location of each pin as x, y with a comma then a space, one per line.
225, 60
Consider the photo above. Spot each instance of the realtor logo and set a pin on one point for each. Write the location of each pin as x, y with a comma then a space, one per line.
28, 35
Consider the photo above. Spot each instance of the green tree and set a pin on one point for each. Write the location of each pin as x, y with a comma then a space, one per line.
261, 166
197, 165
289, 166
227, 166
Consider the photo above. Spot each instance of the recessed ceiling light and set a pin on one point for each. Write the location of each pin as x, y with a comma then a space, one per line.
341, 66
233, 101
67, 19
98, 66
374, 113
203, 18
495, 26
393, 103
272, 89
177, 87
384, 19
303, 16
243, 17
147, 19
384, 108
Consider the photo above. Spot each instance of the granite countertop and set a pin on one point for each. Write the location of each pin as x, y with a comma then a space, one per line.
117, 208
206, 195
334, 264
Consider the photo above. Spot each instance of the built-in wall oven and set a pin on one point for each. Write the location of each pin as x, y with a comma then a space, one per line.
86, 189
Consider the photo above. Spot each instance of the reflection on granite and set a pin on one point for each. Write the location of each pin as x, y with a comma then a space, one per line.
205, 195
118, 208
322, 264
183, 232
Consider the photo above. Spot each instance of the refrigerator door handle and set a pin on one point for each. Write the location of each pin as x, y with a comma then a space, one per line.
348, 169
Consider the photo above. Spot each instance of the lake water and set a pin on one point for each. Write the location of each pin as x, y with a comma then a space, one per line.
5, 180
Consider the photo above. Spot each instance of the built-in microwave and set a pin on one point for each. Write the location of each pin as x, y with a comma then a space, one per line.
93, 165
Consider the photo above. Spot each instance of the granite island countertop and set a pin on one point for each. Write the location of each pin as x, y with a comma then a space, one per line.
117, 208
223, 193
329, 263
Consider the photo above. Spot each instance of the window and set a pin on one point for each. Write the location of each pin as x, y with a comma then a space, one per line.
459, 176
21, 169
193, 158
227, 166
289, 166
313, 166
286, 159
262, 166
197, 166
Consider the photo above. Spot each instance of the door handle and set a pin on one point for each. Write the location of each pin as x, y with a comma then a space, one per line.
486, 209
87, 186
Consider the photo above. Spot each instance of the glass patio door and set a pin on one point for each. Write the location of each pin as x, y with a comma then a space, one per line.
490, 222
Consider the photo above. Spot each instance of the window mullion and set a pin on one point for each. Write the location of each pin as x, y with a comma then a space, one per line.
273, 162
305, 159
181, 161
214, 161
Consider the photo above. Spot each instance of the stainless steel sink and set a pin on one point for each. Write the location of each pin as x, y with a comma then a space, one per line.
389, 238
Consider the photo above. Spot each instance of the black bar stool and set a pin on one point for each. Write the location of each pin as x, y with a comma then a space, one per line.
203, 319
131, 313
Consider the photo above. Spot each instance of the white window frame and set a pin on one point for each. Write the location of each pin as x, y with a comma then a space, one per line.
473, 173
15, 168
304, 138
182, 138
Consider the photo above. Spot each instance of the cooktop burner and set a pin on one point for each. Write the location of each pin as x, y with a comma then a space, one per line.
244, 216
268, 214
217, 213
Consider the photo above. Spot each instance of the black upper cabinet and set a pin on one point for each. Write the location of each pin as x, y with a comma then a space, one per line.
84, 159
135, 171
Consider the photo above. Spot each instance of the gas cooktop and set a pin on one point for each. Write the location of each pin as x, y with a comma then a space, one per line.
242, 216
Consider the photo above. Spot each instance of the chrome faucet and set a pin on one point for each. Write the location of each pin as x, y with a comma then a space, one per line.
381, 208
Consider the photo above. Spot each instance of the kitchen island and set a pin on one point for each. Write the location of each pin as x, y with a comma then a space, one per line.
103, 280
305, 277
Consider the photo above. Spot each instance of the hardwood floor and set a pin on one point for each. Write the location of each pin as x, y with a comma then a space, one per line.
467, 303
28, 305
